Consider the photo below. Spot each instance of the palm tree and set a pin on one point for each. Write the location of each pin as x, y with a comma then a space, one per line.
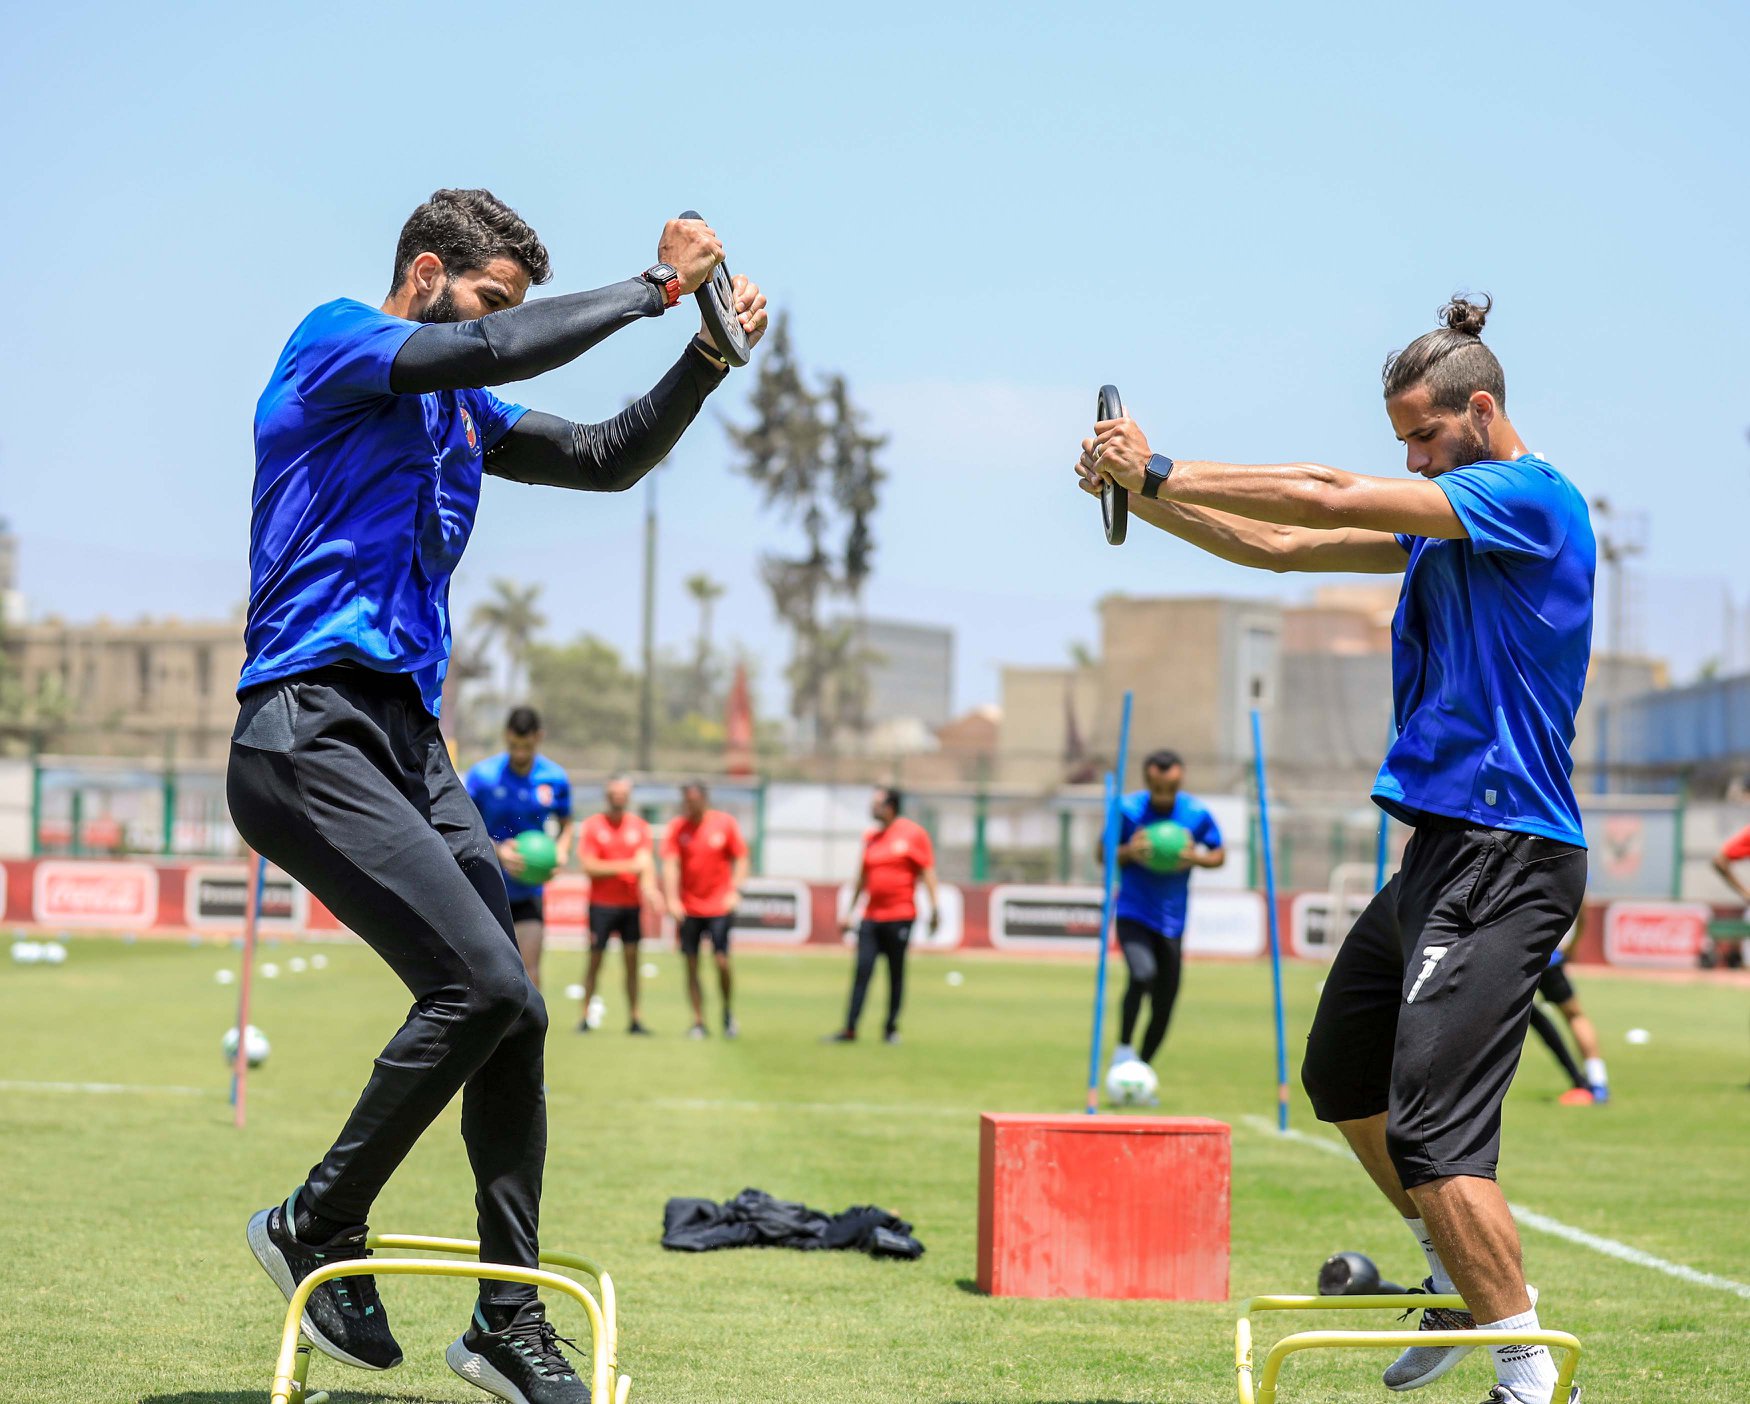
705, 592
510, 618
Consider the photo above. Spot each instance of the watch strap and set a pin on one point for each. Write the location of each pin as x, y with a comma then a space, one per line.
1156, 473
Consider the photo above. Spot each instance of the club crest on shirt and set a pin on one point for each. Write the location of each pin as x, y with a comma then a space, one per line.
543, 793
473, 438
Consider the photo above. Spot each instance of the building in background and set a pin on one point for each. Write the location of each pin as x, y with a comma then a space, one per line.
911, 671
11, 598
150, 688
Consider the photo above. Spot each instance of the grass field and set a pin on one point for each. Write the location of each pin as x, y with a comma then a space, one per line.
126, 1276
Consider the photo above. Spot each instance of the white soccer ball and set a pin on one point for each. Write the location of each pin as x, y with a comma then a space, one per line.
597, 1011
255, 1047
956, 978
297, 965
270, 971
223, 976
574, 993
648, 970
1638, 1036
26, 952
54, 953
319, 961
1132, 1083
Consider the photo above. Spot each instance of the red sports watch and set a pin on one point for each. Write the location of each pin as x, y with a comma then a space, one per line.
666, 281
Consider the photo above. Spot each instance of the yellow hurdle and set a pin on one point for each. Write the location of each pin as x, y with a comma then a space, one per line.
607, 1384
1263, 1390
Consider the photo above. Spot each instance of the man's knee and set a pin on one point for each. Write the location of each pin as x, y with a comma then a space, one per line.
499, 991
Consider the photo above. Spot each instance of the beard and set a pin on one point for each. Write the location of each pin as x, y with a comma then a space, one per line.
1472, 447
442, 308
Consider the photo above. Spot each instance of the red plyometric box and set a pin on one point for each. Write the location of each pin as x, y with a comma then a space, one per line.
1103, 1206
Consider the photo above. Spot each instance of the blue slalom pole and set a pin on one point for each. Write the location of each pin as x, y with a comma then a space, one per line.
1270, 912
1108, 894
1381, 848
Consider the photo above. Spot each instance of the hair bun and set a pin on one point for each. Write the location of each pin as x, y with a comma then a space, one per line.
1464, 315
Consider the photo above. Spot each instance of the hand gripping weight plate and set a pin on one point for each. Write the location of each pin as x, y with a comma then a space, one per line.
717, 304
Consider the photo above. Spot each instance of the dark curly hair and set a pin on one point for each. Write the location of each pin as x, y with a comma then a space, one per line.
467, 229
1451, 359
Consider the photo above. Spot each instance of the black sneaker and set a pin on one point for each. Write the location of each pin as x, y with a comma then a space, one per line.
521, 1363
583, 1025
842, 1036
637, 1028
343, 1317
891, 1036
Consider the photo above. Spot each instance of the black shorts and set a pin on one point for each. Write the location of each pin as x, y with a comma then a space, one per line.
1424, 1012
1554, 984
605, 923
528, 909
713, 929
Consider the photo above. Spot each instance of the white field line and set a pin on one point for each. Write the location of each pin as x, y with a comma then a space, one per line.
104, 1088
855, 1108
1532, 1219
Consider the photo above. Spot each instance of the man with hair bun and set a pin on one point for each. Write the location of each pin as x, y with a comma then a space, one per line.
1423, 1017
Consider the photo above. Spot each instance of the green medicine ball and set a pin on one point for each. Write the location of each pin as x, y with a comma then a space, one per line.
540, 857
1167, 843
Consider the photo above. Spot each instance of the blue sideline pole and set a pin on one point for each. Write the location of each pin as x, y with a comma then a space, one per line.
1381, 848
1108, 892
1270, 912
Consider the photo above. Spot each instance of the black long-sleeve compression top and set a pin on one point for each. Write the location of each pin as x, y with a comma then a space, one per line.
539, 336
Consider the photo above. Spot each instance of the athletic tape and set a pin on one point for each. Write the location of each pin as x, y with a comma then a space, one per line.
1530, 1218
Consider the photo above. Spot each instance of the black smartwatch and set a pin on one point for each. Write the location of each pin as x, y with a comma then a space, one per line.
1155, 474
666, 281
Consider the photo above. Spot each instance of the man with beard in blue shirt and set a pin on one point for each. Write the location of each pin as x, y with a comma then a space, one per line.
1422, 1020
371, 442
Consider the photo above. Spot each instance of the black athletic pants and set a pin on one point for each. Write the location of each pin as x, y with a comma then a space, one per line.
887, 939
1153, 961
1424, 1013
339, 776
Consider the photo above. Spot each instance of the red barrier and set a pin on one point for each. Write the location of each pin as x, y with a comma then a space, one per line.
150, 896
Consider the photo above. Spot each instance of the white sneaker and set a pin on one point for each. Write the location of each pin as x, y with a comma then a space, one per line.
1123, 1053
598, 1010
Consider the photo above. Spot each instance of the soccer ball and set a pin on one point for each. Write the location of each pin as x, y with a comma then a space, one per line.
256, 1049
1132, 1083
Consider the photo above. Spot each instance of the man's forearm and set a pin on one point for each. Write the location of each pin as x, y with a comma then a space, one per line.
611, 456
519, 342
1263, 545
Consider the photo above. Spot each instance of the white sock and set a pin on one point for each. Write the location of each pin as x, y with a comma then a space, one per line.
1595, 1074
1527, 1370
1436, 1269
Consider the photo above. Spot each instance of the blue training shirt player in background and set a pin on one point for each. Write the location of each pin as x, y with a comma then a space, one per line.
1422, 1020
517, 790
373, 438
1151, 905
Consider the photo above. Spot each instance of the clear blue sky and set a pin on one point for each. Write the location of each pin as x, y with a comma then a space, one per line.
978, 214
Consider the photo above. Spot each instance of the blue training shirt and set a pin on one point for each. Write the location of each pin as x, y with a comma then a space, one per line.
1490, 646
363, 502
512, 804
1159, 900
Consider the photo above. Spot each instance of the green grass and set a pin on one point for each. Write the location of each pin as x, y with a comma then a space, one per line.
125, 1275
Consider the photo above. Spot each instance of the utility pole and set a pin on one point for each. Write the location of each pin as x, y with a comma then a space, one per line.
647, 682
1621, 537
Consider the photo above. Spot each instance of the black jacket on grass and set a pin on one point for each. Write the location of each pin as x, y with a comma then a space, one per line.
754, 1219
